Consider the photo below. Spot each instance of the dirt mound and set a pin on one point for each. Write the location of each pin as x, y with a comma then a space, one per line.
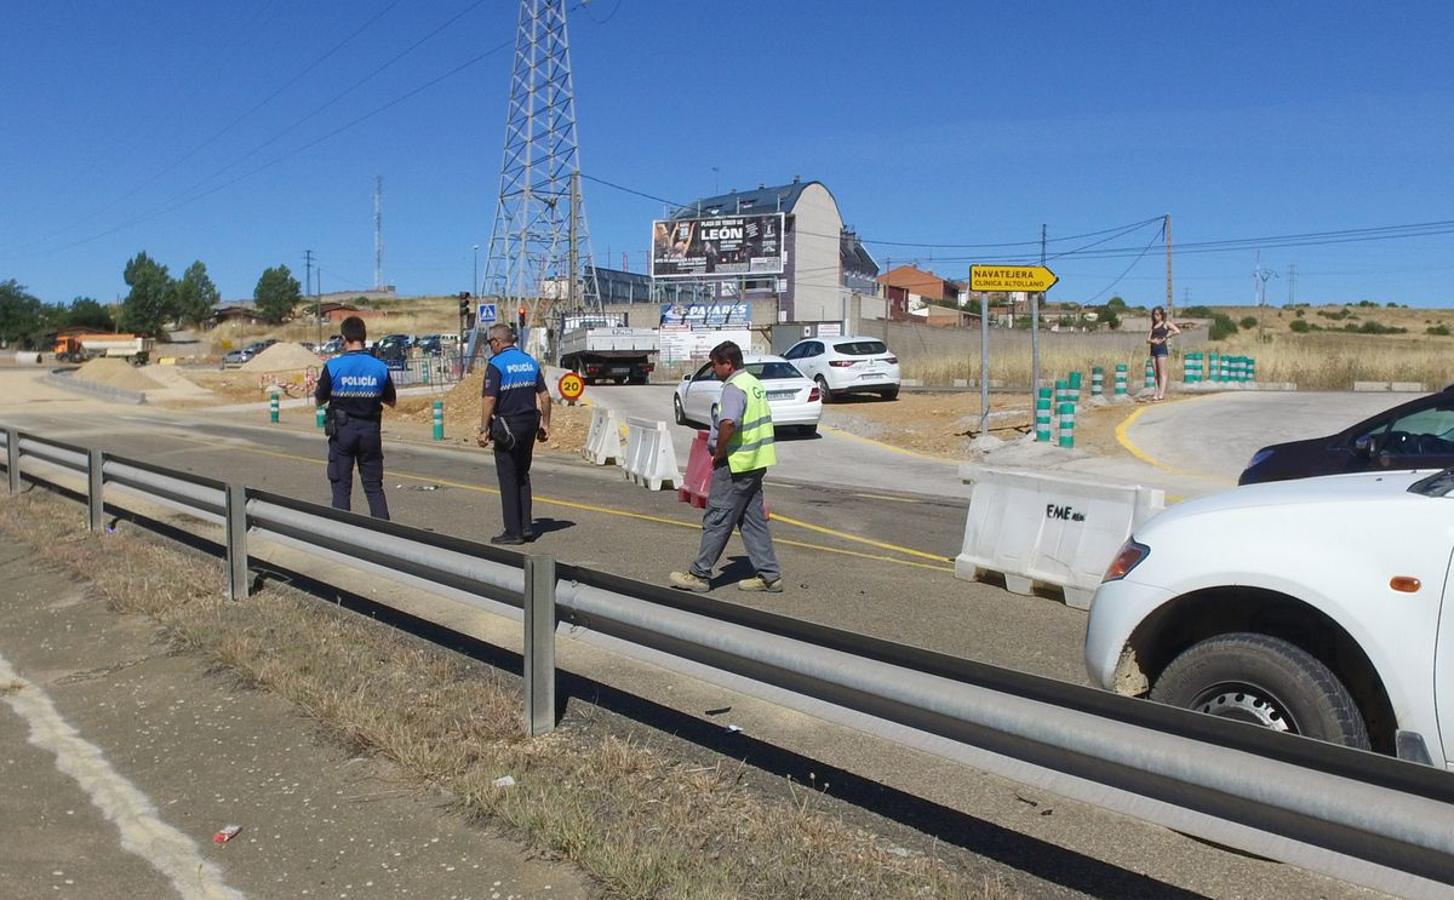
283, 358
568, 424
116, 373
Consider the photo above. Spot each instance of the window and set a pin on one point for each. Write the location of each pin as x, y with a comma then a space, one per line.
1421, 432
771, 371
861, 348
705, 373
795, 351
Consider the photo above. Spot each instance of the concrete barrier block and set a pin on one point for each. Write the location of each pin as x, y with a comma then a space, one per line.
1059, 531
1371, 386
650, 459
1408, 387
961, 382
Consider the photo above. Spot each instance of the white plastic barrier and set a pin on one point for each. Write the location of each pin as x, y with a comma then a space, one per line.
28, 358
603, 440
651, 461
1048, 530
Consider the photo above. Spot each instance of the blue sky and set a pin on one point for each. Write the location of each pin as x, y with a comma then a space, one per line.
937, 122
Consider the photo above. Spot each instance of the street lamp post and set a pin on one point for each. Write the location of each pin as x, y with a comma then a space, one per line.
475, 279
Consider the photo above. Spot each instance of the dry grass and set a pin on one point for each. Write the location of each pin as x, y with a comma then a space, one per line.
643, 823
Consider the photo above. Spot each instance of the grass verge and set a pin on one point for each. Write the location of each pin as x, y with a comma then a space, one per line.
640, 821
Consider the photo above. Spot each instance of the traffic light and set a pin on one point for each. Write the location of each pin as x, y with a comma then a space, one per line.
520, 319
464, 303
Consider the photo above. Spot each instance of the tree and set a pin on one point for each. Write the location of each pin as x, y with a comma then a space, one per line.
196, 295
20, 312
1116, 303
152, 298
276, 294
89, 313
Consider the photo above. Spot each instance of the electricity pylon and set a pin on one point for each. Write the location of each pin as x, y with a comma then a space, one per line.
540, 240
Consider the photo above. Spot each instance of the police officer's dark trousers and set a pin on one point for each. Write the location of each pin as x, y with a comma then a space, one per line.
358, 441
512, 467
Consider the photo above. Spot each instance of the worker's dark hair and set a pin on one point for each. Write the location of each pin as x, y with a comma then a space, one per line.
354, 330
727, 351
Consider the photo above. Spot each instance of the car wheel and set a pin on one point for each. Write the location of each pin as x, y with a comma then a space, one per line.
823, 389
891, 394
620, 379
807, 431
681, 414
1263, 681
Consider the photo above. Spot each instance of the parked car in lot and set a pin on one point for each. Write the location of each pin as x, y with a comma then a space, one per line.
245, 354
847, 365
1310, 606
796, 402
332, 346
1414, 435
393, 348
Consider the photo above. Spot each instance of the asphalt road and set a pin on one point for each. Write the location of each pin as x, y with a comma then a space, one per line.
1217, 434
866, 558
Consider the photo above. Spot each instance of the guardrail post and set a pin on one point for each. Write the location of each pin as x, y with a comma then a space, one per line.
236, 542
12, 459
539, 645
95, 484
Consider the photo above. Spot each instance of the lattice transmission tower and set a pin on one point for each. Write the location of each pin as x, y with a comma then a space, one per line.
540, 248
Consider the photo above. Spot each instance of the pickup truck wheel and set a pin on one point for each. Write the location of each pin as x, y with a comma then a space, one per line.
1263, 681
681, 414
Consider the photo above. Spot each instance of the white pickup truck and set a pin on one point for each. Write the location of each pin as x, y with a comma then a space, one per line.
602, 347
1314, 606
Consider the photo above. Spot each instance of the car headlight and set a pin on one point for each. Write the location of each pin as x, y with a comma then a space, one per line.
1127, 558
1259, 457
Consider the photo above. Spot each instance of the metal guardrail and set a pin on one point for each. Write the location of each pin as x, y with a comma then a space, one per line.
1367, 818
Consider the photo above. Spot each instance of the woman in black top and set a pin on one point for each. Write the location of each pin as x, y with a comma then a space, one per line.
1161, 332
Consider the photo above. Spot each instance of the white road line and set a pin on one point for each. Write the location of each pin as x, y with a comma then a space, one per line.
143, 832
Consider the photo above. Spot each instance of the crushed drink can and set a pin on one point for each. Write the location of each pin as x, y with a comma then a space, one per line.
226, 834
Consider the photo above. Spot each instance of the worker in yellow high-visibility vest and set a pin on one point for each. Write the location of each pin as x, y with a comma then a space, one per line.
741, 444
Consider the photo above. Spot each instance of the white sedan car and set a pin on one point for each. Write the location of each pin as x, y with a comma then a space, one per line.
1310, 606
794, 400
846, 365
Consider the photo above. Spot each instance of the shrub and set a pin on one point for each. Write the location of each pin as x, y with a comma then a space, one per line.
1248, 322
1300, 326
1222, 327
1299, 313
1372, 327
1198, 312
1339, 314
1440, 330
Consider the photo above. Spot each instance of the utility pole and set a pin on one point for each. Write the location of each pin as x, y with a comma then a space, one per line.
1170, 297
574, 260
308, 285
1291, 279
378, 232
1036, 300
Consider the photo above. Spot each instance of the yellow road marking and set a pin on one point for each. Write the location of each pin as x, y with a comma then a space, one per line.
839, 432
883, 497
646, 517
1123, 438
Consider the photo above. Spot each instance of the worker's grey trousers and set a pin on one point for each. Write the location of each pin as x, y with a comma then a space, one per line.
735, 501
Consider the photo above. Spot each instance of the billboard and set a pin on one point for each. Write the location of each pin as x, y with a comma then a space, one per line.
703, 316
717, 247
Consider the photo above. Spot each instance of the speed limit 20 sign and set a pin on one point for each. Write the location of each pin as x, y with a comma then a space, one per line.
571, 386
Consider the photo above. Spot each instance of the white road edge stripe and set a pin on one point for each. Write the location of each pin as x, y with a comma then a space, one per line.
143, 832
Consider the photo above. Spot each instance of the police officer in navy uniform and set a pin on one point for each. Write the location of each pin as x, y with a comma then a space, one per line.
514, 414
355, 386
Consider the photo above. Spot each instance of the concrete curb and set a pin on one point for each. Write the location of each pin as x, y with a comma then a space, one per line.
104, 391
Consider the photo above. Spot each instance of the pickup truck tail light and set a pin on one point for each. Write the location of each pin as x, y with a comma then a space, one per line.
814, 394
840, 363
1127, 558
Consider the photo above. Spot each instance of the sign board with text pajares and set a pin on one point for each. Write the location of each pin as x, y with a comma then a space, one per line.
1034, 279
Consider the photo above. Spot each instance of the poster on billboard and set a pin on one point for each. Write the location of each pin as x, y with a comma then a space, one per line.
718, 247
707, 315
680, 344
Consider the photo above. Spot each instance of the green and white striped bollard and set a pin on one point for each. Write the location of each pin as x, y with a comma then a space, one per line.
1098, 381
1062, 392
1214, 367
1192, 368
1067, 424
1074, 386
1042, 416
439, 420
273, 408
1120, 388
1251, 368
1150, 375
320, 416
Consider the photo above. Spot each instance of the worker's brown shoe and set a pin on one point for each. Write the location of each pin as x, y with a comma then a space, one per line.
688, 582
757, 583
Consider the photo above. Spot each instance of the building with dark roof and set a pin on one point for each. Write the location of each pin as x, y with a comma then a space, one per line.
825, 262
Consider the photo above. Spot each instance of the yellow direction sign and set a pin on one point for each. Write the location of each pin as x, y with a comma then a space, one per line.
1034, 279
